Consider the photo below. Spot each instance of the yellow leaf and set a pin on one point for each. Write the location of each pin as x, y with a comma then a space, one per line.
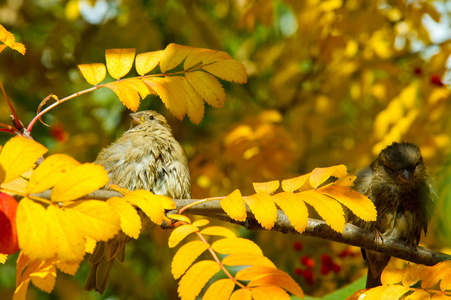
320, 175
93, 73
50, 172
128, 216
234, 206
68, 267
359, 204
385, 292
236, 245
180, 218
2, 173
79, 181
294, 184
173, 55
139, 86
218, 230
165, 201
149, 203
119, 61
185, 256
230, 70
330, 210
247, 259
126, 94
198, 55
170, 93
90, 244
117, 188
263, 208
295, 209
241, 294
34, 232
262, 292
391, 274
18, 155
347, 180
219, 290
421, 295
194, 103
44, 276
434, 274
413, 274
3, 258
208, 87
268, 187
70, 243
195, 279
146, 62
201, 222
17, 185
95, 219
180, 233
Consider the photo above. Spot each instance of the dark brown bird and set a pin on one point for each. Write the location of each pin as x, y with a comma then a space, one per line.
399, 186
145, 157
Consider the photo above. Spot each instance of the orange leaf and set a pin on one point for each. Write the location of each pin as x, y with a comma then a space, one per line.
230, 70
359, 204
295, 209
218, 230
146, 62
93, 73
18, 155
50, 172
208, 87
79, 181
330, 210
234, 206
435, 273
294, 184
170, 93
149, 203
247, 259
268, 187
236, 245
219, 290
180, 233
130, 220
196, 277
8, 230
320, 175
185, 256
173, 55
119, 61
241, 294
262, 292
263, 208
126, 94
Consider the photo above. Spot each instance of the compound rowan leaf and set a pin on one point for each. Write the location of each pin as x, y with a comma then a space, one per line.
263, 208
185, 256
219, 231
195, 279
34, 231
180, 233
247, 259
93, 73
128, 216
170, 93
320, 175
359, 204
50, 172
208, 87
262, 292
149, 203
8, 229
79, 181
234, 206
236, 245
294, 184
95, 219
330, 210
295, 209
126, 94
268, 187
219, 290
119, 61
18, 155
146, 62
230, 70
173, 55
194, 103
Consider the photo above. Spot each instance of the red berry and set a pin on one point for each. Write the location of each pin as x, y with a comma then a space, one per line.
336, 268
418, 71
436, 80
343, 253
308, 277
326, 259
298, 271
307, 261
324, 270
297, 246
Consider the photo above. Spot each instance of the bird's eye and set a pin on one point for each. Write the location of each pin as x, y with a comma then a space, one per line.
411, 169
151, 118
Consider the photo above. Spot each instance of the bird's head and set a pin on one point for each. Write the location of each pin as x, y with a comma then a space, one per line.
148, 117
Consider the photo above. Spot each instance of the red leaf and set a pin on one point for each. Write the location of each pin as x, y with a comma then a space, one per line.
8, 231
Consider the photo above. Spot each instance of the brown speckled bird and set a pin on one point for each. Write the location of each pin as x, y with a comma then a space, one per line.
399, 186
145, 157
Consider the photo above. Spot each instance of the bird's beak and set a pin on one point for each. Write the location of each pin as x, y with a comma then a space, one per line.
405, 176
136, 119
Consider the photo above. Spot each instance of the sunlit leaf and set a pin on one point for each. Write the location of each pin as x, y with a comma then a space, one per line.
42, 274
130, 220
247, 259
234, 206
208, 87
236, 245
347, 180
195, 279
194, 103
385, 292
126, 94
173, 55
196, 56
241, 294
180, 218
262, 292
18, 155
93, 73
146, 62
266, 187
219, 290
149, 203
170, 93
68, 267
185, 256
391, 274
119, 61
139, 86
79, 181
294, 184
413, 274
263, 208
3, 258
230, 70
219, 231
50, 171
8, 230
434, 274
179, 233
320, 175
201, 222
295, 209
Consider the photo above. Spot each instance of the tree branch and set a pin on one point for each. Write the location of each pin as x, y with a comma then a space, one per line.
352, 235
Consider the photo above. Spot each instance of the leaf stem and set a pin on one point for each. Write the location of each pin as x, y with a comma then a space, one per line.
181, 210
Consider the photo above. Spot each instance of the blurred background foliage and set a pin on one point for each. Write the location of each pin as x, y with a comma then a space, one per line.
330, 82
